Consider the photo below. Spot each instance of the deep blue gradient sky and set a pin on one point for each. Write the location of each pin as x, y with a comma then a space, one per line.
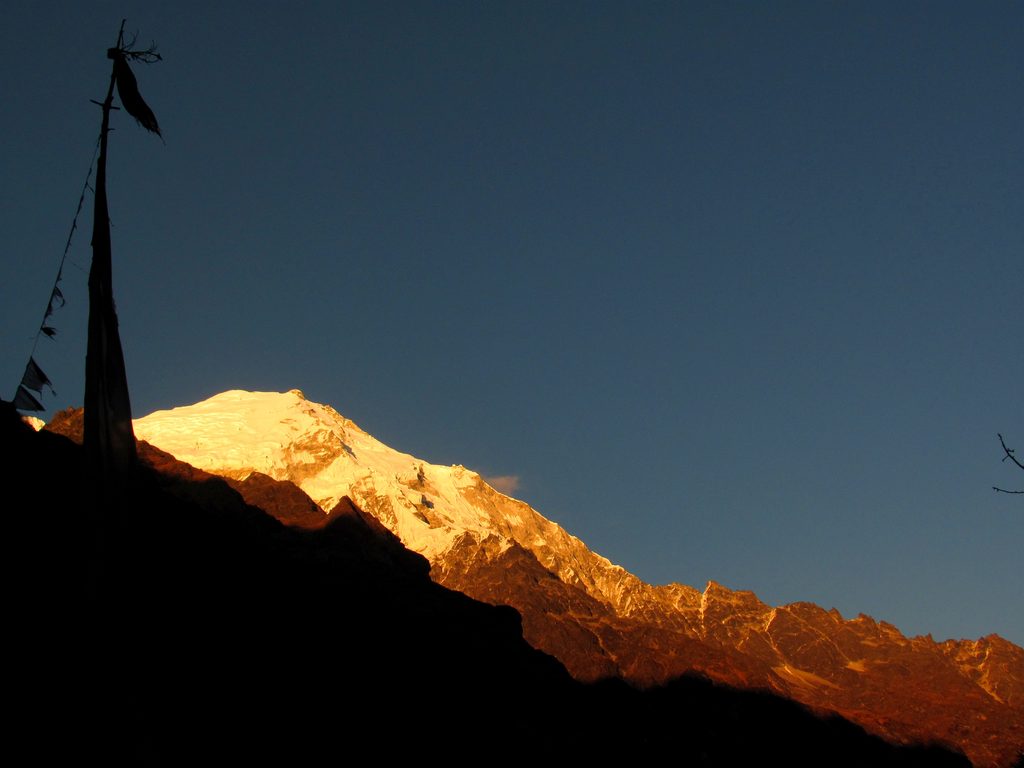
734, 289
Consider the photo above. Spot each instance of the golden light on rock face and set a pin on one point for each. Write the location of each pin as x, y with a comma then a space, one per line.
595, 617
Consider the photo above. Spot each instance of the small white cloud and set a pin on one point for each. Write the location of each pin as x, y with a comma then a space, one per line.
507, 484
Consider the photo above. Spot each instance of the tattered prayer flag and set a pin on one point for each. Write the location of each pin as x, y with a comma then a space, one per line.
128, 90
24, 401
56, 295
34, 378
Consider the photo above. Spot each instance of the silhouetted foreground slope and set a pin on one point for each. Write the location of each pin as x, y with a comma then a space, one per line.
227, 637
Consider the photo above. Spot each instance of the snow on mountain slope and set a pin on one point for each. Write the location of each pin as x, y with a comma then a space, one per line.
427, 506
594, 616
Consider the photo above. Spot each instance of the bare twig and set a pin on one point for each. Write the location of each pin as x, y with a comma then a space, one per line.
1009, 452
1008, 455
145, 55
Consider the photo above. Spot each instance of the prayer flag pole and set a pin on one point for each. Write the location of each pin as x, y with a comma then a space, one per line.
109, 440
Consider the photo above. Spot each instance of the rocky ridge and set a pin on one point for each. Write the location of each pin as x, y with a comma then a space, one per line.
594, 616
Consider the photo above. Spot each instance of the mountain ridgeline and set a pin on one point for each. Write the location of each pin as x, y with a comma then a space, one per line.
241, 622
596, 618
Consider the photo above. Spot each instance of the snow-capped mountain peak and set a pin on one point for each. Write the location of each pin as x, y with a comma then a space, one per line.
428, 506
596, 617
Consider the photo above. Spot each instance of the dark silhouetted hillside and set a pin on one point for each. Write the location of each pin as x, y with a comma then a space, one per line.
227, 637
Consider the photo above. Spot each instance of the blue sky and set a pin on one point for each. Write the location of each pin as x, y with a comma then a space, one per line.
733, 289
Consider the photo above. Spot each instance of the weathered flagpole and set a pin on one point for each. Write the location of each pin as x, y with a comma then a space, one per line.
109, 440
